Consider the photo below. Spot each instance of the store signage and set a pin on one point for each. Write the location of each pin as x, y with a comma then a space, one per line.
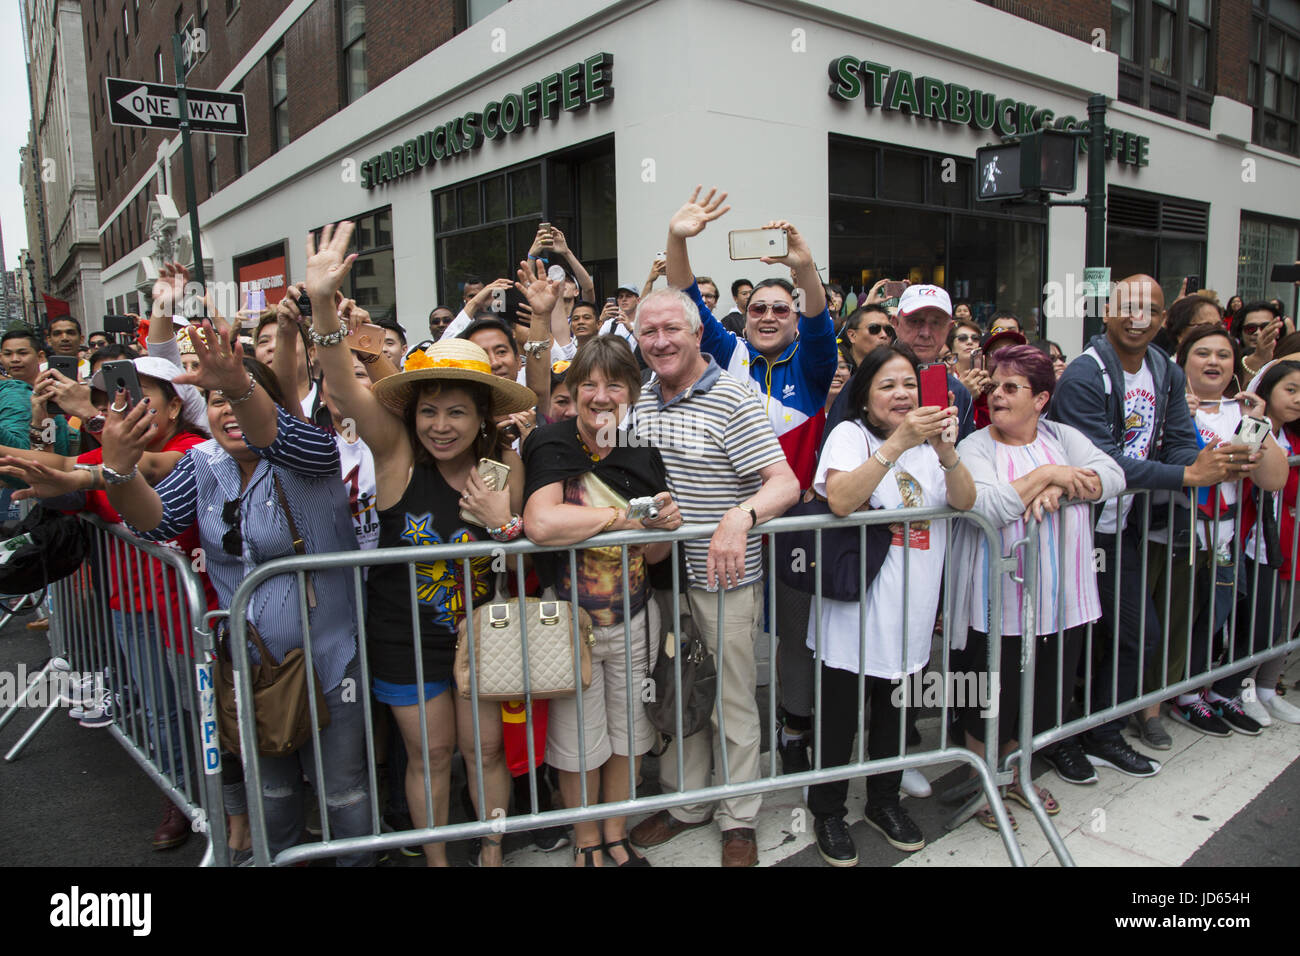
933, 99
574, 88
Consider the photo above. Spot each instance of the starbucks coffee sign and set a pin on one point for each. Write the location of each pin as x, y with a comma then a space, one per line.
880, 87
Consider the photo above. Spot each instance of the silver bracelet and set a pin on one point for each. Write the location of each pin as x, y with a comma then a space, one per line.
952, 467
882, 460
329, 339
252, 387
112, 477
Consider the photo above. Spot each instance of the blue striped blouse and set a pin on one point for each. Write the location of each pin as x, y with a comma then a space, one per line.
307, 463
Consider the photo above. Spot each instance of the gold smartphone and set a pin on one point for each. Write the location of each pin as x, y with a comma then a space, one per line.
494, 475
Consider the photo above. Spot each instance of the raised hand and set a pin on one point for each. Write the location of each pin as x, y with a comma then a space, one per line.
797, 252
169, 288
691, 219
533, 284
328, 265
221, 366
127, 432
42, 481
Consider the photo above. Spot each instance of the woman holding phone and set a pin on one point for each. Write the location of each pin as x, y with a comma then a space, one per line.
581, 480
428, 427
889, 453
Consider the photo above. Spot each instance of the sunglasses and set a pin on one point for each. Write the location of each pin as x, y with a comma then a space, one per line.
232, 542
779, 309
875, 328
1254, 329
966, 338
1008, 389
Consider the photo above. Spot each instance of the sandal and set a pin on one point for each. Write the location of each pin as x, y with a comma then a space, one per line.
633, 858
984, 816
587, 852
1014, 792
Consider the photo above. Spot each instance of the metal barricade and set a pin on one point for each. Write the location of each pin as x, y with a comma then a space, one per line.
1183, 581
494, 823
152, 663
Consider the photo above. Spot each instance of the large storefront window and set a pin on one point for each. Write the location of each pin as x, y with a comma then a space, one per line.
1159, 236
371, 282
905, 214
485, 226
1264, 243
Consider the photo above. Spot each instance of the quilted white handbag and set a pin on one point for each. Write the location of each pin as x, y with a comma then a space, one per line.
498, 648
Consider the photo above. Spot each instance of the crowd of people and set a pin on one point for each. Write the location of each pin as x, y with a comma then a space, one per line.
296, 430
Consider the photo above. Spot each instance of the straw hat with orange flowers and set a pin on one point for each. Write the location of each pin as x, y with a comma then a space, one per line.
452, 360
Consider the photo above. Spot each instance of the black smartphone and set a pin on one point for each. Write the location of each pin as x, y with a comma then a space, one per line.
121, 374
1193, 284
119, 323
65, 365
304, 305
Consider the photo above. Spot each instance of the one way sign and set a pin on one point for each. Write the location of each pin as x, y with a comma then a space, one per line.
156, 106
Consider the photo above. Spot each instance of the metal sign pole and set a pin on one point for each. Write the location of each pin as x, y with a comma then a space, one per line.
1095, 252
191, 201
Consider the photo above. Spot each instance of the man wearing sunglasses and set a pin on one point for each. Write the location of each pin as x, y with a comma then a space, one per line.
788, 359
865, 330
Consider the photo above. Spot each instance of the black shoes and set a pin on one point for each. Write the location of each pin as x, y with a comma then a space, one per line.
794, 753
1068, 760
1234, 715
1199, 717
1111, 751
834, 843
897, 828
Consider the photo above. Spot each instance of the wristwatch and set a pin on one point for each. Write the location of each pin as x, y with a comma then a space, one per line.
535, 349
753, 515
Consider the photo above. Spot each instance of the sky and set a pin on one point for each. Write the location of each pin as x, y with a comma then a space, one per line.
15, 117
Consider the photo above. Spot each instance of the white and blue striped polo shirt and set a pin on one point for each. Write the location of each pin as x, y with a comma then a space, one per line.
714, 438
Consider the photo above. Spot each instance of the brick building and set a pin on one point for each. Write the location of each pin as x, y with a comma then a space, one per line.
447, 130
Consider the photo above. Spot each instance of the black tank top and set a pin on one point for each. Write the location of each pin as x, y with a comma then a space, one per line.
428, 513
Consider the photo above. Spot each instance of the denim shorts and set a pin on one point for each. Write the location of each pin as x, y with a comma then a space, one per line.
408, 695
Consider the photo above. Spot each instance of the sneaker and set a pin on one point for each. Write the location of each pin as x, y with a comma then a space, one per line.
1257, 712
101, 714
833, 841
393, 822
1232, 713
79, 711
1070, 762
550, 839
914, 784
1111, 751
794, 754
1198, 716
897, 828
241, 857
1282, 710
1152, 732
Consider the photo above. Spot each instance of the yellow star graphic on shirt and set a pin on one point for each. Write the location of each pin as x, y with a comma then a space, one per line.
744, 363
417, 530
788, 417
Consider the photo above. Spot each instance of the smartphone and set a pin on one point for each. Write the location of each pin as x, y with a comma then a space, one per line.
639, 508
979, 360
756, 243
121, 374
1251, 432
119, 323
304, 305
494, 475
934, 385
65, 365
368, 338
893, 289
1193, 284
611, 302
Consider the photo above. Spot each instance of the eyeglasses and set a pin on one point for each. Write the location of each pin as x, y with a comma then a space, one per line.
966, 338
232, 542
1008, 389
1254, 329
779, 309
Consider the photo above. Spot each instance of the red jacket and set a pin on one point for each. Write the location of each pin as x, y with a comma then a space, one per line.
1287, 523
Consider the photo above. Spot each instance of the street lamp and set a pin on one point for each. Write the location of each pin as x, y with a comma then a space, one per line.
31, 280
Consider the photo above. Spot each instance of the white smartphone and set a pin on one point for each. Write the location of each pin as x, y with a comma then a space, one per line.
1250, 432
756, 243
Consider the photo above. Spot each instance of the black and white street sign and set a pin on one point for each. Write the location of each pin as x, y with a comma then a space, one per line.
156, 106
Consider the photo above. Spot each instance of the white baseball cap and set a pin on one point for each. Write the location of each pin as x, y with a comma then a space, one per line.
917, 297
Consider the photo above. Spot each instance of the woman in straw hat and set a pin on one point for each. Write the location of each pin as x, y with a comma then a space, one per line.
428, 426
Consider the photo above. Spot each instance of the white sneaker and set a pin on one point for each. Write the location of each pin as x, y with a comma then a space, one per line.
1283, 711
1256, 711
915, 785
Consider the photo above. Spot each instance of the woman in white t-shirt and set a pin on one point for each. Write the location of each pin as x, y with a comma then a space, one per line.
1208, 354
887, 453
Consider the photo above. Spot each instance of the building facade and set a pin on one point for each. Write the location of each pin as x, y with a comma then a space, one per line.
58, 163
447, 135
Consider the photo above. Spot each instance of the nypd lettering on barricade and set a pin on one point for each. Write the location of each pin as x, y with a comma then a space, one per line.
208, 716
76, 909
574, 88
881, 87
